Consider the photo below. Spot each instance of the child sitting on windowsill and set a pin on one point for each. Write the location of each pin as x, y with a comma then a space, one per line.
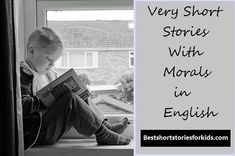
44, 125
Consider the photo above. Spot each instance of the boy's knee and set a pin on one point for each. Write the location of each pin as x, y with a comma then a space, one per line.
69, 95
73, 98
65, 100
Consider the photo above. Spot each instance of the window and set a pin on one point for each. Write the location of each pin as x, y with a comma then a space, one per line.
77, 59
131, 59
97, 36
97, 41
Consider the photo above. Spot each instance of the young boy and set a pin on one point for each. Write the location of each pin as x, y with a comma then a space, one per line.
44, 125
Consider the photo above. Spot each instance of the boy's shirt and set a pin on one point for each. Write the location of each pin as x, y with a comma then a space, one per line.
32, 106
31, 82
39, 81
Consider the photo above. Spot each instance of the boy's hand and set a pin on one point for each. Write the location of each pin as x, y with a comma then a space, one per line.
67, 87
84, 79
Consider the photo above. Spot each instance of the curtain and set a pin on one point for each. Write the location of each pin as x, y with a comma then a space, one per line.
11, 120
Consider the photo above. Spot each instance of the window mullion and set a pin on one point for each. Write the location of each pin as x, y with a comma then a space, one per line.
68, 63
85, 57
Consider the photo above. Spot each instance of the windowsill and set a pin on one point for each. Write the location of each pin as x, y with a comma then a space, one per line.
84, 147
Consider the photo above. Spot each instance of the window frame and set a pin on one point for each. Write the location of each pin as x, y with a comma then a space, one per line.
130, 57
35, 16
44, 5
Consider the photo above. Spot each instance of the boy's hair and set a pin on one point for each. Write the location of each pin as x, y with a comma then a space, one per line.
42, 37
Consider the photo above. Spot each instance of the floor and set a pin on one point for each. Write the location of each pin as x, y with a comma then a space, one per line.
82, 147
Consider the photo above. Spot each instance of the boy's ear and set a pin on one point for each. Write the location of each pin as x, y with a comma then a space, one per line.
31, 50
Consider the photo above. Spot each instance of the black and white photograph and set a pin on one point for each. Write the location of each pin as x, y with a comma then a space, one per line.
68, 77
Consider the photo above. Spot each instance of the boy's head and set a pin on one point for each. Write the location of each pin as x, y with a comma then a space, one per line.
44, 47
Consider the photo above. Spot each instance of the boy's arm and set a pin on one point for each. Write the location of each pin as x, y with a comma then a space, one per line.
30, 103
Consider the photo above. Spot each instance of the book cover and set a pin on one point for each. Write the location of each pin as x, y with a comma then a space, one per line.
57, 88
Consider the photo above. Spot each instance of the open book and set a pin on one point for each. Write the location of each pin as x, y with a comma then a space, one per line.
63, 84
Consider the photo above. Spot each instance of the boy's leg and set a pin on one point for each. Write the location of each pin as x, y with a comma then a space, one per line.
67, 111
71, 110
118, 127
93, 106
87, 122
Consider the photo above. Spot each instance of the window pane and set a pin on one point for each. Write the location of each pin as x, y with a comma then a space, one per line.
98, 43
89, 59
76, 59
90, 15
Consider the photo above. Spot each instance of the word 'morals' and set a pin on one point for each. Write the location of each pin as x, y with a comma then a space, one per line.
186, 73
